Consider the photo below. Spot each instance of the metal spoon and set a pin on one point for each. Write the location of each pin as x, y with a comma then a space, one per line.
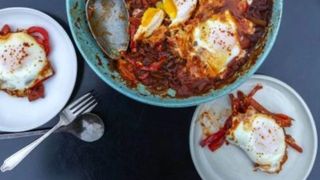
87, 127
108, 21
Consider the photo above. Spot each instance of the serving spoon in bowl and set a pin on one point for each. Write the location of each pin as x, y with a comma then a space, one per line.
108, 22
87, 127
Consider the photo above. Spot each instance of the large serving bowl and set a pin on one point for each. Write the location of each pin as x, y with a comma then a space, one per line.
102, 65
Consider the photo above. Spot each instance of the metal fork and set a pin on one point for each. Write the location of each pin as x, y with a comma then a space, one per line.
84, 104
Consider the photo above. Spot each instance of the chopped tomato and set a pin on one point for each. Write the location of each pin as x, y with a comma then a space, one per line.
36, 92
5, 30
41, 35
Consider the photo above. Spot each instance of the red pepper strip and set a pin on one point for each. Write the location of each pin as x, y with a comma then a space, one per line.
5, 30
234, 104
292, 143
133, 45
281, 119
134, 24
153, 67
44, 40
131, 61
254, 90
126, 71
228, 123
216, 145
144, 76
259, 107
242, 102
213, 138
233, 108
283, 116
283, 122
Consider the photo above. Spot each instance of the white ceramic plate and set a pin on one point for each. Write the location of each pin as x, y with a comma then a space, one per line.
229, 162
18, 114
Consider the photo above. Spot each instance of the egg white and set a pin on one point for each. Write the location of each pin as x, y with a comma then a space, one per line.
22, 62
262, 139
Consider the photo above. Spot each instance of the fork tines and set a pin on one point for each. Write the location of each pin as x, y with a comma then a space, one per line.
84, 104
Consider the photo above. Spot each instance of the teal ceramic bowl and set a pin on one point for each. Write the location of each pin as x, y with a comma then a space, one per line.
100, 63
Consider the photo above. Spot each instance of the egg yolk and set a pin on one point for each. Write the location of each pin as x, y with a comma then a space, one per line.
148, 16
159, 5
170, 8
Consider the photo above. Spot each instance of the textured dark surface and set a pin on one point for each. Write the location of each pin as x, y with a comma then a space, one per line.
145, 142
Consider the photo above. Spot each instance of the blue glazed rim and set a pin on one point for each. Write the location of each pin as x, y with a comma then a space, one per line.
77, 17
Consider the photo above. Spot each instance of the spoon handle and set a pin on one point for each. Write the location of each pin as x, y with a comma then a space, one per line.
12, 161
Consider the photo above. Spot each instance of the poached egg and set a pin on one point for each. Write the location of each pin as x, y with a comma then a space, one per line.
261, 138
216, 41
23, 63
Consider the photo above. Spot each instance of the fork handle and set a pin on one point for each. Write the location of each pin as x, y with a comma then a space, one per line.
12, 161
39, 132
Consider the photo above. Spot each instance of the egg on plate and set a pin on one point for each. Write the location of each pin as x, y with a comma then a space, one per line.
257, 131
23, 63
261, 138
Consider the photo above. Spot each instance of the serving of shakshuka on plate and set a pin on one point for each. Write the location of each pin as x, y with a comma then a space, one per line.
192, 46
252, 127
24, 64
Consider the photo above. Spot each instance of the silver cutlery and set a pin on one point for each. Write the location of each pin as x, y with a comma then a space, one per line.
84, 104
108, 21
87, 127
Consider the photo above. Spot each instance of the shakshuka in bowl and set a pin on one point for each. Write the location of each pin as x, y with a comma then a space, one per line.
183, 52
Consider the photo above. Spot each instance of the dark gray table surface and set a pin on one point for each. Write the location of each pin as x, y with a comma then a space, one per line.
146, 142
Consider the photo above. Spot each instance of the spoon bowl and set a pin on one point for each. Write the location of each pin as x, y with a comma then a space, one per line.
89, 127
108, 22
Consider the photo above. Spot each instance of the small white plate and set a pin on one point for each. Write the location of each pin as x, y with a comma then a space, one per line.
229, 162
18, 114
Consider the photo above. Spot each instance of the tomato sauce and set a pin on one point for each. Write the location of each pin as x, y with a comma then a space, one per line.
159, 68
